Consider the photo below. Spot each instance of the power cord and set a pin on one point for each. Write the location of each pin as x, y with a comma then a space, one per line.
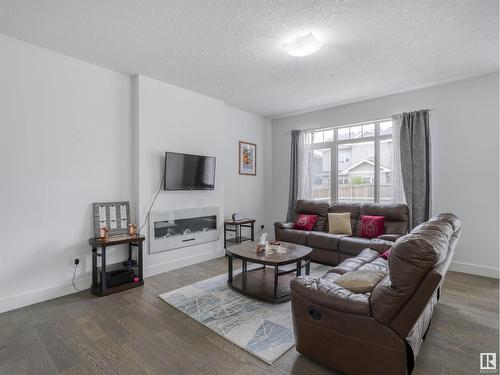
73, 281
152, 203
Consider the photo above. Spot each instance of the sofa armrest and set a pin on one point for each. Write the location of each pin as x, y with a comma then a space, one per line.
380, 245
389, 237
324, 292
283, 225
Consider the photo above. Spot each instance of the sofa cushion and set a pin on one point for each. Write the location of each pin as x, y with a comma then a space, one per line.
323, 240
283, 225
396, 216
353, 245
294, 236
325, 292
352, 264
339, 223
378, 264
412, 257
324, 256
371, 226
360, 281
390, 237
305, 222
314, 207
380, 245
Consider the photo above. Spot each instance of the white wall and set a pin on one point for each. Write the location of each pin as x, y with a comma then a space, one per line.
247, 194
465, 134
170, 118
65, 139
178, 120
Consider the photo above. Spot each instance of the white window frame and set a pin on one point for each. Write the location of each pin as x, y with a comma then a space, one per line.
333, 145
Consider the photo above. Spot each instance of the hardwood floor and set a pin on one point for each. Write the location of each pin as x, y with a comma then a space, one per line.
134, 332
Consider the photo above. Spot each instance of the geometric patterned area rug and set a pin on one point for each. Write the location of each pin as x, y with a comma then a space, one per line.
261, 328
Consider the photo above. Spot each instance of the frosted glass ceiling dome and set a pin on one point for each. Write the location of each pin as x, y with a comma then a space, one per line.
303, 45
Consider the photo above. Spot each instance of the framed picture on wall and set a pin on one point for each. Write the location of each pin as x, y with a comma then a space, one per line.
248, 158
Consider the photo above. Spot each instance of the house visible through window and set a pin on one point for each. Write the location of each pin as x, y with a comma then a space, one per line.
353, 163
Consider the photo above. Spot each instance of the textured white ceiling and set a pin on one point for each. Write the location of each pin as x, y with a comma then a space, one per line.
230, 49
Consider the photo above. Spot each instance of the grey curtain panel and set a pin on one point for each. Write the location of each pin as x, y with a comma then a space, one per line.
294, 170
415, 146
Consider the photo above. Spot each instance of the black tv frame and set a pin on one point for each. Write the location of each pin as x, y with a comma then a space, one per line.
184, 189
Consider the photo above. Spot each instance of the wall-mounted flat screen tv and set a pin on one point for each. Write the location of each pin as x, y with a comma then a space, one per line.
189, 172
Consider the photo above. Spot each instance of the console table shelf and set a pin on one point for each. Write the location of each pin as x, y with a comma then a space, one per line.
117, 267
99, 287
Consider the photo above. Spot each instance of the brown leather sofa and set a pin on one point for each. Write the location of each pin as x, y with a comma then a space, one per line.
331, 248
378, 332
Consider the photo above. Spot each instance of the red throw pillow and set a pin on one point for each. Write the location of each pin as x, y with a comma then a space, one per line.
386, 254
372, 226
305, 222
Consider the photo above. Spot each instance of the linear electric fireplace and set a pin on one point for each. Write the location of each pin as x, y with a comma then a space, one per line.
174, 229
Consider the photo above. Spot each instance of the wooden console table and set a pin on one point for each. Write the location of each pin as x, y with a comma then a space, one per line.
235, 226
99, 287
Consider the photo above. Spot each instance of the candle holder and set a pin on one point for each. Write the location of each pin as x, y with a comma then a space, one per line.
104, 233
132, 229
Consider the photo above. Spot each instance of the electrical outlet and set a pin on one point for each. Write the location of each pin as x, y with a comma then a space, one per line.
77, 261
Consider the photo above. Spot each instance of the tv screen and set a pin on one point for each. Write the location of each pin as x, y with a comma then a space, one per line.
189, 172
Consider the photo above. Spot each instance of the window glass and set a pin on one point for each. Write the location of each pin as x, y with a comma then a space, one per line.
344, 155
355, 182
322, 173
369, 130
356, 174
343, 133
318, 137
386, 127
385, 170
356, 131
328, 135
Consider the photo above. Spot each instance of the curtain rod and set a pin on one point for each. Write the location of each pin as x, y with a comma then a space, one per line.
425, 109
365, 122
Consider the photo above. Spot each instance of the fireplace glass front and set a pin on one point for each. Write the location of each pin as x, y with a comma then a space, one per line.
178, 227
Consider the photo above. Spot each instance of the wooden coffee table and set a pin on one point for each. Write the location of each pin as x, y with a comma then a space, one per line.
267, 283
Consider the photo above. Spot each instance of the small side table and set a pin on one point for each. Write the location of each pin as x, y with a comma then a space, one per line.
99, 287
235, 226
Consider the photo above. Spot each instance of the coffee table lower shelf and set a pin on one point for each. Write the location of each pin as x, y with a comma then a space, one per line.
268, 283
260, 283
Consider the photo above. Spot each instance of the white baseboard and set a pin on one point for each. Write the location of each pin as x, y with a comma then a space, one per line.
475, 269
39, 295
43, 294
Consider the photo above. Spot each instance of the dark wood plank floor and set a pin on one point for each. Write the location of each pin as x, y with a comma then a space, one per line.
134, 332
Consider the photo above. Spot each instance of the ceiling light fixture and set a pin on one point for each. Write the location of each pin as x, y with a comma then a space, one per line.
303, 45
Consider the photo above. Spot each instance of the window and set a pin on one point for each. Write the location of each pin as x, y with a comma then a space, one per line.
353, 163
321, 173
359, 173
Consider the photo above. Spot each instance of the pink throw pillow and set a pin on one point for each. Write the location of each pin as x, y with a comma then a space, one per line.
305, 222
372, 226
386, 254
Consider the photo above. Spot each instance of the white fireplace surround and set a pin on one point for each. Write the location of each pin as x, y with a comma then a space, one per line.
175, 229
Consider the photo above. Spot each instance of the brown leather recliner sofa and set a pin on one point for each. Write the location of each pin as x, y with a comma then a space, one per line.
331, 248
379, 332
